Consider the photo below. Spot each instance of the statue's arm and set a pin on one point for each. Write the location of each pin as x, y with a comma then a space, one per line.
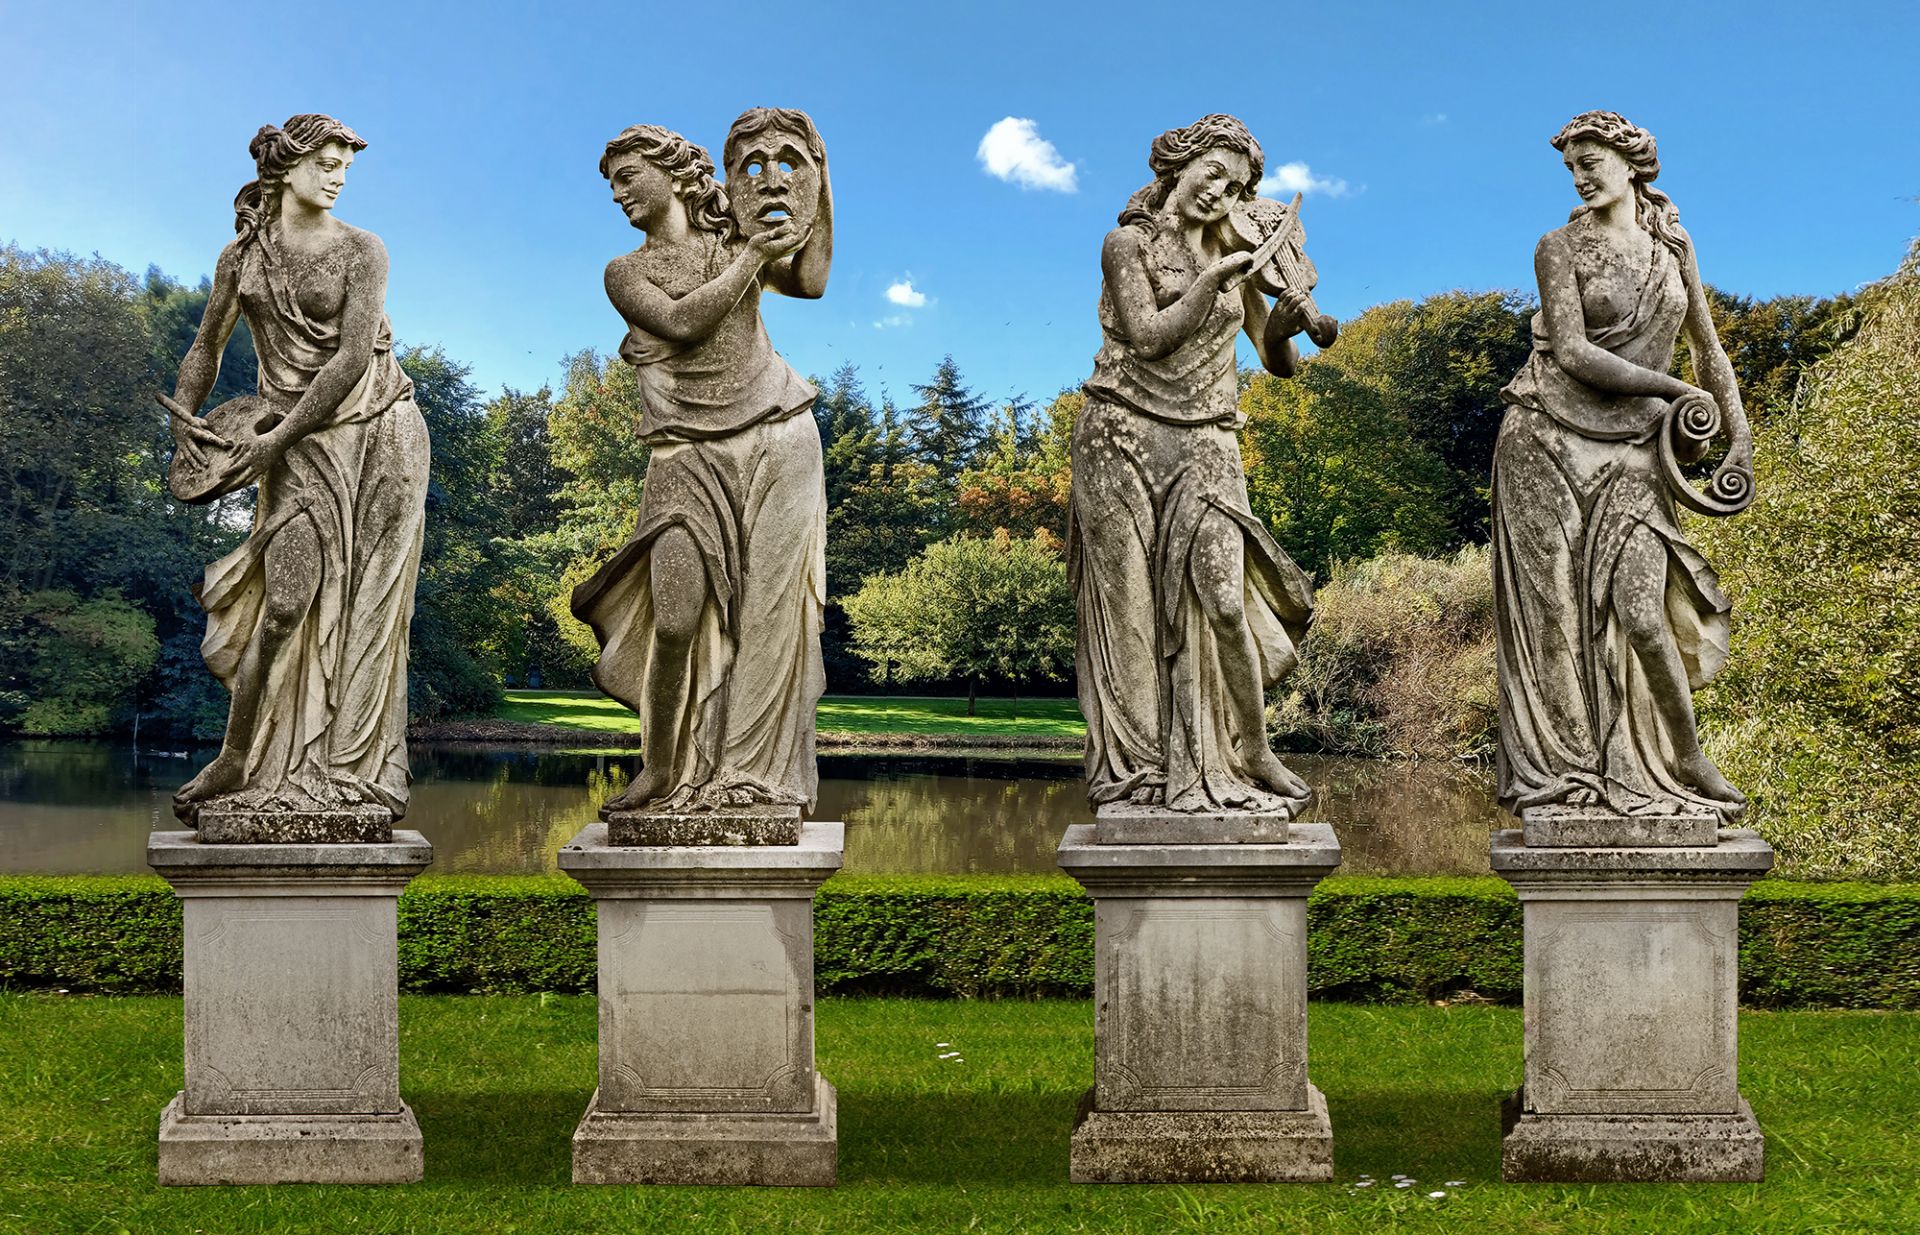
1710, 363
681, 319
1272, 327
1153, 331
200, 368
804, 275
1553, 265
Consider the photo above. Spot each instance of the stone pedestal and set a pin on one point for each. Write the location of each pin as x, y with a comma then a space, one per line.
1200, 1022
292, 1012
706, 1013
1632, 994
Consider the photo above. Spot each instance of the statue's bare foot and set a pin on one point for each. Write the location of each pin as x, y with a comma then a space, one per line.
1148, 795
226, 774
1278, 777
645, 788
1583, 797
1698, 770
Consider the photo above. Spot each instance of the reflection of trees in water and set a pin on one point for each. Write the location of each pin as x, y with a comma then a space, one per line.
954, 824
510, 825
1396, 818
74, 807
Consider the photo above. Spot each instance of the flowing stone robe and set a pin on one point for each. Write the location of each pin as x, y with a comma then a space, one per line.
1158, 495
1576, 475
331, 729
736, 464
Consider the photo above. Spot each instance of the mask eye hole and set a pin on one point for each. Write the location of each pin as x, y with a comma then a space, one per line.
786, 166
754, 168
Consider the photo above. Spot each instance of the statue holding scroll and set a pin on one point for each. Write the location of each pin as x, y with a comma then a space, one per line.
1607, 618
709, 617
307, 620
1188, 610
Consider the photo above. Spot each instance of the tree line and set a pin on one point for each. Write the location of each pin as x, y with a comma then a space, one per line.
947, 511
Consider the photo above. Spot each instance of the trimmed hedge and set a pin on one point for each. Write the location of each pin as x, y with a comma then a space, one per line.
1802, 945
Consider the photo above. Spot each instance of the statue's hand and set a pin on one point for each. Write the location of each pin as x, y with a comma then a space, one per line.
253, 458
188, 428
779, 240
1294, 309
1228, 272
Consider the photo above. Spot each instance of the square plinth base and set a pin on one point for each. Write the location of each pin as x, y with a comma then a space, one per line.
794, 1151
1597, 1149
288, 1149
767, 825
347, 825
1565, 827
1122, 823
1203, 1147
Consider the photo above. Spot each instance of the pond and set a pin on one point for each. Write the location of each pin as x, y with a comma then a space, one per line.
86, 808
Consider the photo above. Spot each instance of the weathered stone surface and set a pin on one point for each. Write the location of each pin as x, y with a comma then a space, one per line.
1200, 1009
307, 620
1188, 610
291, 1010
288, 1149
706, 1011
1632, 997
352, 825
1577, 828
1124, 823
1723, 1148
1122, 1147
1606, 618
709, 617
764, 826
782, 1150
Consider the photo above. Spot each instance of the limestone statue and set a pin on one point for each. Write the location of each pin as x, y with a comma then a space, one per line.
307, 620
1607, 618
1188, 610
709, 617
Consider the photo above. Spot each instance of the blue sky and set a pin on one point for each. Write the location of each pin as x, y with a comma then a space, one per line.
1787, 134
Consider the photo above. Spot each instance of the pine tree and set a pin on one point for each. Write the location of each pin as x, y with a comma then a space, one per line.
946, 427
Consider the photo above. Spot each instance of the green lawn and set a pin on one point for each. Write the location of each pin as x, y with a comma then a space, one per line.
918, 715
934, 1145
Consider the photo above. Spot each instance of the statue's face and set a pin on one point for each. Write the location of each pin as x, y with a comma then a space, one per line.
1206, 189
1600, 173
642, 191
316, 180
772, 177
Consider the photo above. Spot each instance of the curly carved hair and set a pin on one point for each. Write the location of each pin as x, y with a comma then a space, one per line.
1176, 148
1652, 209
689, 166
275, 150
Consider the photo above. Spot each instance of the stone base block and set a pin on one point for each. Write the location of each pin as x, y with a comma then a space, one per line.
764, 825
1631, 1148
288, 1149
349, 825
802, 1151
1123, 823
1202, 1147
1565, 827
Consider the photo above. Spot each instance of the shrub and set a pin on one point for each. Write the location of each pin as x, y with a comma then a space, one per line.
1373, 940
1817, 714
1399, 661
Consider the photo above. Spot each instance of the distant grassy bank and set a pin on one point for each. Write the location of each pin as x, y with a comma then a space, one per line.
843, 720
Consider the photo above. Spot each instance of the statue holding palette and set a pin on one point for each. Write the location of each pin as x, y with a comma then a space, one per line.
307, 621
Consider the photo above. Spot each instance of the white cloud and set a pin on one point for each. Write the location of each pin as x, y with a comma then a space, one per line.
1013, 150
888, 323
903, 293
1299, 178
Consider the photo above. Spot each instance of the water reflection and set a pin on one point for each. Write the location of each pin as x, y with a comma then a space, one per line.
75, 808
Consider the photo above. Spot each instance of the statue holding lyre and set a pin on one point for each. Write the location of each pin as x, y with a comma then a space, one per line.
1607, 618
